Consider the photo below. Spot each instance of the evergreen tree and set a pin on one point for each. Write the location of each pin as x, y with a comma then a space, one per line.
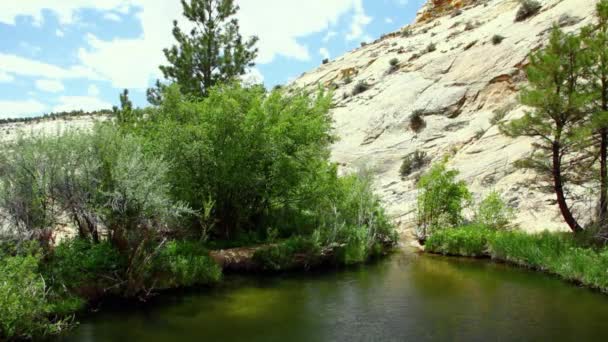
558, 98
213, 51
596, 42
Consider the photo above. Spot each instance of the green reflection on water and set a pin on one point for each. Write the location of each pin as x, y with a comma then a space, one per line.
403, 298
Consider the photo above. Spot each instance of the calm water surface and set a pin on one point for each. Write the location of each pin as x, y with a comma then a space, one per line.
403, 298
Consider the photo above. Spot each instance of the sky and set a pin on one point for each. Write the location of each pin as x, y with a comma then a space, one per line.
63, 55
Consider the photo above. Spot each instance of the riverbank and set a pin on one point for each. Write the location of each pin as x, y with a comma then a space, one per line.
560, 254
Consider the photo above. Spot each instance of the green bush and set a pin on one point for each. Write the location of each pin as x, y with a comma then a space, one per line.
497, 39
471, 241
295, 252
527, 9
24, 309
360, 87
186, 263
417, 123
493, 212
556, 253
413, 162
430, 48
76, 264
441, 200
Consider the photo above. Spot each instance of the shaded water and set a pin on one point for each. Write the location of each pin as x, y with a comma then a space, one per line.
403, 298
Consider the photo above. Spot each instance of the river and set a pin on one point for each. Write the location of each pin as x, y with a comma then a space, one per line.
406, 297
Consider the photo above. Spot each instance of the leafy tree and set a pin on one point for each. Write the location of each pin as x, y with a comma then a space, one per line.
493, 212
212, 52
557, 95
441, 200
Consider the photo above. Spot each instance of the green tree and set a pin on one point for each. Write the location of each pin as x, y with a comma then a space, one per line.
213, 51
558, 98
441, 200
596, 41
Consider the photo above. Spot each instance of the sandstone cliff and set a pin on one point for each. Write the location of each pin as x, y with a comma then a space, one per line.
457, 88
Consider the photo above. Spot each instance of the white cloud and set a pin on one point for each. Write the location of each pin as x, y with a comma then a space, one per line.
29, 67
11, 109
4, 77
388, 20
59, 33
51, 86
86, 103
359, 21
93, 90
133, 63
324, 53
252, 77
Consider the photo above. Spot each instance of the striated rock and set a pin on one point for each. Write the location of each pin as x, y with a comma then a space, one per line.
456, 86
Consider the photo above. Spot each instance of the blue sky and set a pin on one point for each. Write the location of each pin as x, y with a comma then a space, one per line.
78, 54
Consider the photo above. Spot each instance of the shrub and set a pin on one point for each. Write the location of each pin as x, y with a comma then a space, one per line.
79, 264
468, 241
497, 39
430, 48
24, 309
469, 26
527, 9
295, 252
186, 263
406, 32
413, 162
417, 122
360, 87
441, 200
499, 114
393, 65
325, 60
493, 212
348, 80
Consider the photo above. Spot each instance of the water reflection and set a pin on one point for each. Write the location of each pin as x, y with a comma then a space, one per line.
404, 298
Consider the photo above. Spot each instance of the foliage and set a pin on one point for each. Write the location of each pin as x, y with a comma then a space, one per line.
554, 253
325, 61
407, 32
430, 48
295, 252
441, 200
78, 263
417, 122
527, 9
497, 39
558, 97
186, 263
212, 52
493, 212
393, 65
360, 87
468, 241
413, 162
24, 308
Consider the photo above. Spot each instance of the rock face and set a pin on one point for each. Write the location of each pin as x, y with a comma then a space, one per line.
451, 72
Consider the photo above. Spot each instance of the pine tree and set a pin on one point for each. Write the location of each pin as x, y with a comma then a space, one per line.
212, 52
557, 96
596, 42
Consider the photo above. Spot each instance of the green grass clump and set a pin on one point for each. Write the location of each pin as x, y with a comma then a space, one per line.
471, 241
186, 263
555, 253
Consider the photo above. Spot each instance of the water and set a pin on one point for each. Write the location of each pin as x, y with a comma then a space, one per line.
403, 298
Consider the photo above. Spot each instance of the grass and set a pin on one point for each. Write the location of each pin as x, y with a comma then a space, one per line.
554, 253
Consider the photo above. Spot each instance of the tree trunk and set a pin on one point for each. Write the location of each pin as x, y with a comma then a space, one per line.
603, 210
559, 190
